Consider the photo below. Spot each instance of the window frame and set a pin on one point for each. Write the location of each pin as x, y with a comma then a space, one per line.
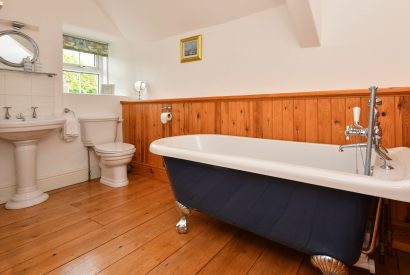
100, 69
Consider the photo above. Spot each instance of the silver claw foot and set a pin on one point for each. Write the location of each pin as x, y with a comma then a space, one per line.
329, 265
182, 224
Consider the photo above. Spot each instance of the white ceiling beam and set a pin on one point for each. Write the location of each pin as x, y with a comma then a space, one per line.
305, 15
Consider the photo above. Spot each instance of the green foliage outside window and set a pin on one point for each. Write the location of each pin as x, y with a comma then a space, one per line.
81, 83
78, 82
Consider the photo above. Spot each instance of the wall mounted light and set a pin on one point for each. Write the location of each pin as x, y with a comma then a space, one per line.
140, 87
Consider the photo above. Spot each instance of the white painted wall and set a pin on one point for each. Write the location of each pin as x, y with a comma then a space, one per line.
59, 163
153, 20
362, 43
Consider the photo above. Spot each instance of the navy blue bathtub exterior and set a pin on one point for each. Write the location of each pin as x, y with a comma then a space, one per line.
312, 219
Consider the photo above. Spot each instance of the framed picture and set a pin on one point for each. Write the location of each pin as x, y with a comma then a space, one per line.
191, 48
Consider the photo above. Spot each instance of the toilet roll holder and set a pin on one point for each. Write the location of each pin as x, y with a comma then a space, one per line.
166, 114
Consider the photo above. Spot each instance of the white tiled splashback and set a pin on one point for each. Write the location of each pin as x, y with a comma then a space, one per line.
21, 91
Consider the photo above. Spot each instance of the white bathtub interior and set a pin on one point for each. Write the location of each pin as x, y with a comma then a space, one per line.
315, 155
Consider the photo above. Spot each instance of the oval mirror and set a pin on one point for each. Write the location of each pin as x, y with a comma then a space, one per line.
14, 46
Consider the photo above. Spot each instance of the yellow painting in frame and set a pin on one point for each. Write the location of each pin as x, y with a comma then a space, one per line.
191, 48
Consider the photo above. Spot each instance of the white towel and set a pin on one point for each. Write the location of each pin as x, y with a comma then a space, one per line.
70, 129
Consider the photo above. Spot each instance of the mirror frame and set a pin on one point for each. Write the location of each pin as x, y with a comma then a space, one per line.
36, 51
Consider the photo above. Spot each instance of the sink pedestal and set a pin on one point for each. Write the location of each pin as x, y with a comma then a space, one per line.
25, 135
27, 192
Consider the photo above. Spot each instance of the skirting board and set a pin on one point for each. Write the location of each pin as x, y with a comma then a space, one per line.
149, 171
54, 182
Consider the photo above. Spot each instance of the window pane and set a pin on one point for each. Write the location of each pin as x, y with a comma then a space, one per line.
87, 59
71, 57
89, 83
72, 80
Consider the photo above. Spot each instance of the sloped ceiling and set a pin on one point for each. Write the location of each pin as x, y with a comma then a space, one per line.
157, 19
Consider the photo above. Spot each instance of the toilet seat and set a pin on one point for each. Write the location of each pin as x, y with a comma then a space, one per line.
114, 148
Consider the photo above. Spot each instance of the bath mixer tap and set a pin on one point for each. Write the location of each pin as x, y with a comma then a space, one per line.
373, 133
354, 145
355, 129
7, 114
380, 150
20, 116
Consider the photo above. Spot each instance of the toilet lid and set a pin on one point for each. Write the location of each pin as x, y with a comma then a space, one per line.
115, 147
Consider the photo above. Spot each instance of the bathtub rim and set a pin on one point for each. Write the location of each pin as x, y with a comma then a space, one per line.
390, 189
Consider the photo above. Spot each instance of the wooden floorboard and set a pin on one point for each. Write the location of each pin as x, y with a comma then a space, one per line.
151, 254
90, 228
277, 259
237, 256
81, 191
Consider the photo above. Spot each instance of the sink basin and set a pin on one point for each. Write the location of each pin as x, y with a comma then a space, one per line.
25, 135
17, 130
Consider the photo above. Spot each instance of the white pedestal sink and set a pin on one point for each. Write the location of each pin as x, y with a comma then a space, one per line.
25, 135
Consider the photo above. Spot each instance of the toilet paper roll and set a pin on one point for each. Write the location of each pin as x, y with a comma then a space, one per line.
165, 117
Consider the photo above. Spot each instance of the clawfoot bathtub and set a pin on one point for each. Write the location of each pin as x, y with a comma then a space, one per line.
303, 195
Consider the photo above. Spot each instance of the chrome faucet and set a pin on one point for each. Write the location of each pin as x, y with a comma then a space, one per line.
34, 114
373, 134
354, 145
20, 116
7, 114
354, 130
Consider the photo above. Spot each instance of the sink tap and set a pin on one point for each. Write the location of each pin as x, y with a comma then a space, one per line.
7, 114
20, 116
34, 115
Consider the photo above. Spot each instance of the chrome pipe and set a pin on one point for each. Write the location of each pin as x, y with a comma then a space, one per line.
372, 105
89, 162
372, 244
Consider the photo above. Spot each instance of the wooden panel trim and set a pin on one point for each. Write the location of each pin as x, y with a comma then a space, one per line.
290, 95
149, 171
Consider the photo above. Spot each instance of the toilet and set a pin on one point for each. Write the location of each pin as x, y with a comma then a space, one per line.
100, 133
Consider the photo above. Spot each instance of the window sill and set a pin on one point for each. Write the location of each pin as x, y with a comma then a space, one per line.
114, 95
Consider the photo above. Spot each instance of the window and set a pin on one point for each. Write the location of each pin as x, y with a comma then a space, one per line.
85, 65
